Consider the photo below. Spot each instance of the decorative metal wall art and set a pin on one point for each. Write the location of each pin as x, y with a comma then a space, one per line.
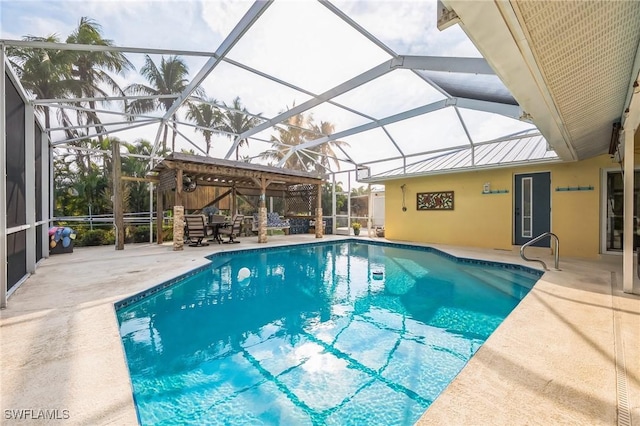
442, 200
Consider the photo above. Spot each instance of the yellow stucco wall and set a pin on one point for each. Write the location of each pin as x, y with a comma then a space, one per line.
481, 220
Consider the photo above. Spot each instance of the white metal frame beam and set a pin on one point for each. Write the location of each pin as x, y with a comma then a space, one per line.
512, 111
100, 48
107, 132
348, 85
46, 181
368, 126
100, 99
346, 18
104, 151
249, 18
3, 181
91, 125
30, 186
103, 111
508, 110
447, 64
294, 87
252, 15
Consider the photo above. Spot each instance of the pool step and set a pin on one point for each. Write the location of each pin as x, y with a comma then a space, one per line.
520, 277
507, 286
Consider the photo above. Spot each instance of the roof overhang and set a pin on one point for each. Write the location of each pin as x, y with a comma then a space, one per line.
570, 65
238, 174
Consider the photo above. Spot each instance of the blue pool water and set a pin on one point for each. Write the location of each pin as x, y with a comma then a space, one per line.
336, 334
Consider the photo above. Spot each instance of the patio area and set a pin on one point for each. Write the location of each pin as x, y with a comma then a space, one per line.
566, 355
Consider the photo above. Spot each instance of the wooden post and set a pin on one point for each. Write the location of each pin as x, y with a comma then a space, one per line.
262, 212
118, 209
319, 225
178, 214
234, 201
159, 214
179, 185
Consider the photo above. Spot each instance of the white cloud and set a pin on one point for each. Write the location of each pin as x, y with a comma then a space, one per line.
409, 27
222, 17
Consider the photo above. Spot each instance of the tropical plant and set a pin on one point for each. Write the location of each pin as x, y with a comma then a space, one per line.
170, 78
46, 73
326, 152
207, 117
90, 68
289, 136
236, 120
77, 190
327, 199
138, 192
293, 133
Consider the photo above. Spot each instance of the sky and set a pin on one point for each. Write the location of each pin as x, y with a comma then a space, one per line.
301, 42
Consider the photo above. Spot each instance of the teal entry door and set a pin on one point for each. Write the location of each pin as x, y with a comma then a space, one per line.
532, 208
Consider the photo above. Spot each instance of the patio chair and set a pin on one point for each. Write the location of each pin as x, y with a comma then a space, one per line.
196, 230
233, 230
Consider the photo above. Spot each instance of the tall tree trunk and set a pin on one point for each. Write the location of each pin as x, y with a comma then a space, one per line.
173, 134
96, 121
164, 139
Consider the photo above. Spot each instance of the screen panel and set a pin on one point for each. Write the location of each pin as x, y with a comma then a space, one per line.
15, 152
16, 257
38, 170
38, 242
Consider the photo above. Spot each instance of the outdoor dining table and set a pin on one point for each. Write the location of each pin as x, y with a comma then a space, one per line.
215, 228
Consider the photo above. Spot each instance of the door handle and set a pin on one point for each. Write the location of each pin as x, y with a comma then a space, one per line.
517, 211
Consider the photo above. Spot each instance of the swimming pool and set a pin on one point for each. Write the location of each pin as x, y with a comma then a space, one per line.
330, 333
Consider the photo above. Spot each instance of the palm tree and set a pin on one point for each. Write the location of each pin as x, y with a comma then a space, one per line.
236, 120
325, 150
288, 137
293, 134
207, 117
90, 68
45, 73
168, 79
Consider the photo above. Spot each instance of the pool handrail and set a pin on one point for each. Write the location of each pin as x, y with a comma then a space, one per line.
535, 240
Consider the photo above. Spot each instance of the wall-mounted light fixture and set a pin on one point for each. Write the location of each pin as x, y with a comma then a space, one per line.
404, 189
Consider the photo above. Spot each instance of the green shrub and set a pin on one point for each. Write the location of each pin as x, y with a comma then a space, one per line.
167, 233
140, 234
96, 237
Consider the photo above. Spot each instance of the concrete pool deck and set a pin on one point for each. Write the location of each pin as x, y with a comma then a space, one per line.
557, 359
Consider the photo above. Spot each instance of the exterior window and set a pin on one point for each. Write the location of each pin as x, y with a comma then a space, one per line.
615, 209
527, 207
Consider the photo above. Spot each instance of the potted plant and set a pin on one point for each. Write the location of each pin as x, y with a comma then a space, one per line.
356, 228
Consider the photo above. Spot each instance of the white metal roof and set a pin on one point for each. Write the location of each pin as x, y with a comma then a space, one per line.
524, 148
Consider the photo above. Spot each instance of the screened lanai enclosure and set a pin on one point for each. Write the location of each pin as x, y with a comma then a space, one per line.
328, 89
